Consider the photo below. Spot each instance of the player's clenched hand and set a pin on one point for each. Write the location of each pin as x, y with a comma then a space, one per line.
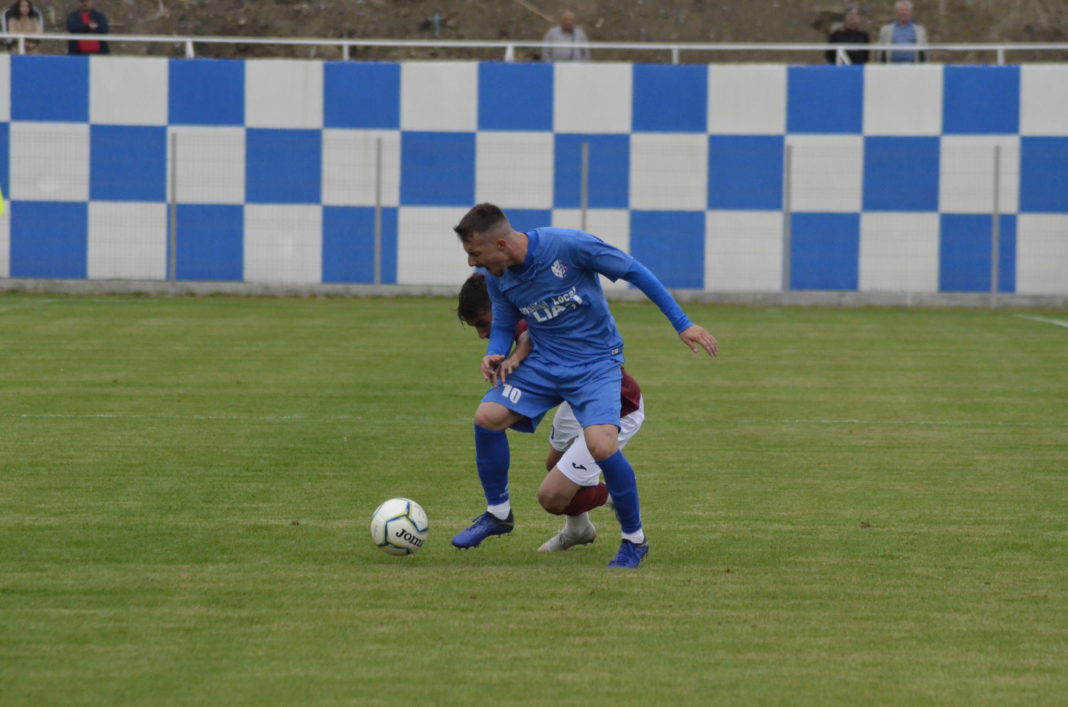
505, 369
695, 336
489, 367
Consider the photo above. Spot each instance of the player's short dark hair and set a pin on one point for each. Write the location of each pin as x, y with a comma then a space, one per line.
480, 219
474, 298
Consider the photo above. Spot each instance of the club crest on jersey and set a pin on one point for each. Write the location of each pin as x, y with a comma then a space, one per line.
559, 269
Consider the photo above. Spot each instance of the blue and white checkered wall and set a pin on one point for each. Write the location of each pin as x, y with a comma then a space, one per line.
891, 186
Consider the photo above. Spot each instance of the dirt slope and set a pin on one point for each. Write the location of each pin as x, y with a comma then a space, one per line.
956, 21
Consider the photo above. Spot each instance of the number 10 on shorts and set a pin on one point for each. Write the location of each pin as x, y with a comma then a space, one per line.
511, 393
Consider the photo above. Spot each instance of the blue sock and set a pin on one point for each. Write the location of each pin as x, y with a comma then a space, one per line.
492, 459
619, 478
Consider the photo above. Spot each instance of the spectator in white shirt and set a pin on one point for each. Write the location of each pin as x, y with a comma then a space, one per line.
561, 41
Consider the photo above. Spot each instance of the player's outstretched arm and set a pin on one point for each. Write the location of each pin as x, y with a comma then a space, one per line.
691, 334
696, 336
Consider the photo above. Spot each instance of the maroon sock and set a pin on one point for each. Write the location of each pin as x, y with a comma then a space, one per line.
587, 498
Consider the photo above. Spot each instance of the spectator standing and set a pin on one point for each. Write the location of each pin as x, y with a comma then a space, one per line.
561, 41
903, 30
86, 20
23, 18
849, 32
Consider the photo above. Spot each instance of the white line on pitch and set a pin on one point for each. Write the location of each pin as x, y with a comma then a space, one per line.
246, 418
135, 416
287, 418
922, 423
1056, 322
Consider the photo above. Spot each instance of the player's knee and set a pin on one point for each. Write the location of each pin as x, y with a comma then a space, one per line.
603, 448
552, 501
489, 418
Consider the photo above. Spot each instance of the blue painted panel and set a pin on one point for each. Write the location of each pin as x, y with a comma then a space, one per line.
515, 96
127, 163
210, 242
437, 169
670, 99
206, 92
824, 251
528, 219
825, 99
1044, 174
283, 166
358, 94
49, 239
609, 178
50, 88
964, 253
1007, 253
981, 100
5, 159
745, 172
671, 244
349, 244
901, 173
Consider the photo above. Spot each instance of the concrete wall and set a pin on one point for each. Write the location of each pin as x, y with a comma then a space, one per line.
891, 188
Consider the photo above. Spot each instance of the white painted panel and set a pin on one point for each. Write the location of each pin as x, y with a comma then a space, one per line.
127, 241
283, 244
743, 251
899, 252
746, 99
128, 90
592, 98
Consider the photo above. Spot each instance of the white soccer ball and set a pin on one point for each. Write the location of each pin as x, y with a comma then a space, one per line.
399, 526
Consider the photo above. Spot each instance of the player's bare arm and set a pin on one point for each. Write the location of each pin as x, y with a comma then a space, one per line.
522, 349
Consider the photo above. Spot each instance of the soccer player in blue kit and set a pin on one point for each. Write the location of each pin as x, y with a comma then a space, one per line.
548, 276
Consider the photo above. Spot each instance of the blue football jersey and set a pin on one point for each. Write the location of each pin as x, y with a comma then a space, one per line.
557, 291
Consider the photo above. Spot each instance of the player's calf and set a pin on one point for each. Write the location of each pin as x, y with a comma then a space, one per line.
586, 499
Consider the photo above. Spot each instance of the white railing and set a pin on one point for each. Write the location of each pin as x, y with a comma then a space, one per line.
508, 48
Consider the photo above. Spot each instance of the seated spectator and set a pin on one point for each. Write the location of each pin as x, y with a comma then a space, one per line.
903, 30
23, 18
86, 20
562, 41
849, 32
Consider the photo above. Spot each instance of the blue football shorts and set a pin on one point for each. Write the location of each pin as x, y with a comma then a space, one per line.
538, 386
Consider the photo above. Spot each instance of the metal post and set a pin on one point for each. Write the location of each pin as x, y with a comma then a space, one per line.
787, 159
344, 51
378, 212
995, 230
674, 55
189, 53
584, 183
172, 235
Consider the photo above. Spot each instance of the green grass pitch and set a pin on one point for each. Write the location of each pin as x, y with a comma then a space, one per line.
847, 506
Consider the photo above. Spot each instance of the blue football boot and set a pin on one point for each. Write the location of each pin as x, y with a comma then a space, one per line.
630, 555
486, 525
